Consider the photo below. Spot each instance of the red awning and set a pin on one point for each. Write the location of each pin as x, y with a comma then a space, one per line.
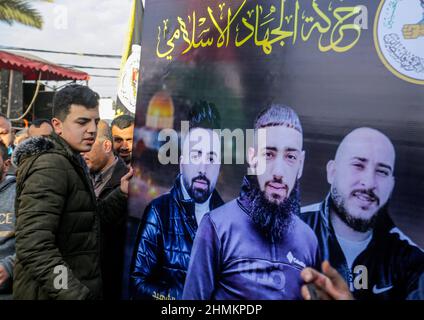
31, 66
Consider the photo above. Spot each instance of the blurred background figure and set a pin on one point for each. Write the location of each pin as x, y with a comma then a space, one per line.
6, 133
40, 127
106, 171
122, 133
20, 136
7, 224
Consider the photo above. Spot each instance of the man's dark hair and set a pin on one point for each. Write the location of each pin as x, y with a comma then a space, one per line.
122, 122
73, 94
4, 117
278, 115
4, 151
204, 114
38, 122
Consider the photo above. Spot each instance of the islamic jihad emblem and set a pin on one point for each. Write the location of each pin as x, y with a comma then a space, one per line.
399, 38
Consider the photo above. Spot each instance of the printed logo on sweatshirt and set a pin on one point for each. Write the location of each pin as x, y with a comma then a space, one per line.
293, 260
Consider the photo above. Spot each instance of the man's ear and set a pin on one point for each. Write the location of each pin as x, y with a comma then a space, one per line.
302, 163
6, 165
331, 171
107, 146
393, 182
181, 163
252, 159
57, 126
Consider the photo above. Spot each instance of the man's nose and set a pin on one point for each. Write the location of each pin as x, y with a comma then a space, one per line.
92, 128
368, 180
202, 167
278, 169
125, 145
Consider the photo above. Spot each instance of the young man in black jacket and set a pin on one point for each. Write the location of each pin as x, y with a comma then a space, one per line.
57, 213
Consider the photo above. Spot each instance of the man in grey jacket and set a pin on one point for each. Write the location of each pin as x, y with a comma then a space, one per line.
7, 225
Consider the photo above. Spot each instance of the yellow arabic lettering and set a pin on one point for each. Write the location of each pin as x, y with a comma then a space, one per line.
249, 26
296, 21
351, 11
316, 25
170, 43
278, 32
184, 31
225, 33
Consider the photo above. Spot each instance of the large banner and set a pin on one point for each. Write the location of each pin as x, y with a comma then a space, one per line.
340, 65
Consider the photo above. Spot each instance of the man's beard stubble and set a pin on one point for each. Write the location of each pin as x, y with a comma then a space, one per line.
357, 224
274, 219
198, 195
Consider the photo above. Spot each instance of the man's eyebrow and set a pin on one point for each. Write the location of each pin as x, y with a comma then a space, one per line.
83, 118
291, 149
360, 159
271, 149
384, 165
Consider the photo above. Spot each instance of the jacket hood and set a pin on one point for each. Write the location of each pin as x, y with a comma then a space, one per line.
31, 147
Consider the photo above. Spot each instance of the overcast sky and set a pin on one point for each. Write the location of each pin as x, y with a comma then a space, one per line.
90, 26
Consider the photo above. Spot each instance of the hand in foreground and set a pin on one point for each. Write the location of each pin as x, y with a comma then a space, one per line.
328, 285
125, 180
4, 275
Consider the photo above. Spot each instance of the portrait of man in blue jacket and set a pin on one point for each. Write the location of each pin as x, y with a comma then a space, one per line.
354, 229
169, 223
255, 246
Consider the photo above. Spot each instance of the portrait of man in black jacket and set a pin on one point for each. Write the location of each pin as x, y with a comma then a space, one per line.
354, 229
169, 223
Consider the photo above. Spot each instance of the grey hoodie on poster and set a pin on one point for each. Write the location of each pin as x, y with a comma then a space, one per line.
7, 230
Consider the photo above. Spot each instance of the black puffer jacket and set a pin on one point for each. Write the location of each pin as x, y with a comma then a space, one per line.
163, 246
57, 223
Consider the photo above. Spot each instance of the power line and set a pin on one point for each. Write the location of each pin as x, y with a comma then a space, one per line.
89, 67
101, 76
112, 56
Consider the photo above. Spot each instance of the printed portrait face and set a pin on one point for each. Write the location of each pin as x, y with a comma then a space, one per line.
200, 163
280, 157
361, 177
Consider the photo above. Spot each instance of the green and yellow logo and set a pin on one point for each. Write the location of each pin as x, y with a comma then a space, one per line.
399, 38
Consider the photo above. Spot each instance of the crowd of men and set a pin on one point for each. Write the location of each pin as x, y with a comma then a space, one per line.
63, 203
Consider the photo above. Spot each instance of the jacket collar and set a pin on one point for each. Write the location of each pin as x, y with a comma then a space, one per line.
248, 183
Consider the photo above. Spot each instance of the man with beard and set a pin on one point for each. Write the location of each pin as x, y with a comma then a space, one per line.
169, 224
353, 227
255, 246
123, 134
